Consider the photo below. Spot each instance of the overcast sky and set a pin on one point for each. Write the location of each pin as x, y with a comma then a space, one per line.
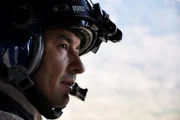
137, 78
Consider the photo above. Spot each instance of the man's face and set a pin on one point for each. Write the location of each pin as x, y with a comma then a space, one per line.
59, 67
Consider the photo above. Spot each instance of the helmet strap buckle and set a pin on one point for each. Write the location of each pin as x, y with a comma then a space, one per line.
19, 77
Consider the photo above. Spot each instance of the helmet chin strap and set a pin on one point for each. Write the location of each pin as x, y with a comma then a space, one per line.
21, 80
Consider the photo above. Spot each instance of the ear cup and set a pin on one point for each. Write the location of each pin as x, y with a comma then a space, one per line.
37, 53
23, 17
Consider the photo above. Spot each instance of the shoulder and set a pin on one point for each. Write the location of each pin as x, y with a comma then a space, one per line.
15, 104
8, 116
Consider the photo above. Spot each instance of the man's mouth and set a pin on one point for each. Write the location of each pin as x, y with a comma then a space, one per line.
67, 85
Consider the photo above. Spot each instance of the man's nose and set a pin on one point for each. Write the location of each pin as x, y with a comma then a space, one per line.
76, 65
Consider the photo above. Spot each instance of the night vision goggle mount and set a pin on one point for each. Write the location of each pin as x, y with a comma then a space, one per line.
107, 29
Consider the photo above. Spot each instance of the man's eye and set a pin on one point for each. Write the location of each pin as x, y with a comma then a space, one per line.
64, 46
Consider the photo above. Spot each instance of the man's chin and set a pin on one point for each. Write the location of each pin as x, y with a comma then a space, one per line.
63, 102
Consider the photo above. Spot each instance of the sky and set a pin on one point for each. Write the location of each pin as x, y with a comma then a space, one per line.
137, 78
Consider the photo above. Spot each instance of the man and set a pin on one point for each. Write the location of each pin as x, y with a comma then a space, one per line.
41, 42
